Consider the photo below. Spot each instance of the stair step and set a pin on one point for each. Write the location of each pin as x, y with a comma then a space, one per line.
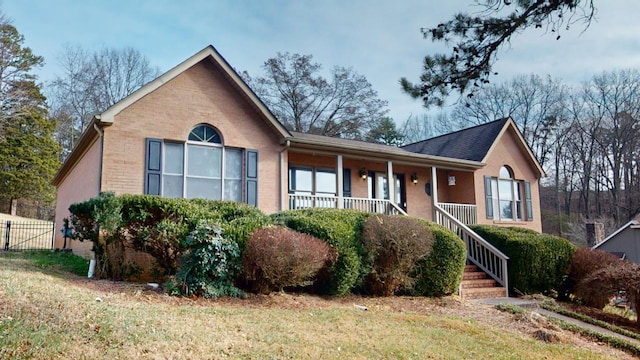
479, 283
483, 293
474, 275
470, 268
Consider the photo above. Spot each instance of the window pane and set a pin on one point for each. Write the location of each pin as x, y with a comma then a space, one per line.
505, 173
204, 161
232, 164
506, 209
300, 180
204, 188
233, 190
505, 188
325, 182
173, 158
172, 186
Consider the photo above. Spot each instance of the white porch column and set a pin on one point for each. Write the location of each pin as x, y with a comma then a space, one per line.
434, 184
391, 185
339, 176
284, 185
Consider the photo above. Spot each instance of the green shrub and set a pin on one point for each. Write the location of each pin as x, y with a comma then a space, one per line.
440, 273
341, 229
394, 246
278, 257
208, 266
156, 226
99, 220
538, 263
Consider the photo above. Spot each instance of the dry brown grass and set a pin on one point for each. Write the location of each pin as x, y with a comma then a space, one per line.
48, 314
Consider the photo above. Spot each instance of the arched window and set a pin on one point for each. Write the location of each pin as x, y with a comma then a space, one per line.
206, 134
504, 196
201, 167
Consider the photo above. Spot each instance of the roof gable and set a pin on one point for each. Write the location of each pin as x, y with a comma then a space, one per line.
469, 144
210, 53
631, 224
474, 143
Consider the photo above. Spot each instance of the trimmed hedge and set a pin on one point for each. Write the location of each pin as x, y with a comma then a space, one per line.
156, 226
342, 230
538, 263
440, 273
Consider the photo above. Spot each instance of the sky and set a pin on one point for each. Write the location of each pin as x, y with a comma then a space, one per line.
378, 39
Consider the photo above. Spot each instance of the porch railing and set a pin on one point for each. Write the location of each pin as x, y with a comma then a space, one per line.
484, 255
380, 206
465, 213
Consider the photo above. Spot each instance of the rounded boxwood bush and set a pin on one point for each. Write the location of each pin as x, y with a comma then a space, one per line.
440, 273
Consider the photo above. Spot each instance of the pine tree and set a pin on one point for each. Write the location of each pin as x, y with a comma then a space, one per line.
28, 153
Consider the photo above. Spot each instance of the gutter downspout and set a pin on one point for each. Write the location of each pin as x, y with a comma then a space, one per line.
283, 168
101, 135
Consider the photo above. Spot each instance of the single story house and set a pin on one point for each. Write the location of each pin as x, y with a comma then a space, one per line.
198, 130
624, 242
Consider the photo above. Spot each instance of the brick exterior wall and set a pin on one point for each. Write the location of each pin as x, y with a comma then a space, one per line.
80, 184
507, 151
199, 95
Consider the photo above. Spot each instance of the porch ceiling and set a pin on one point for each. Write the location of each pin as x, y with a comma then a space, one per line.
309, 143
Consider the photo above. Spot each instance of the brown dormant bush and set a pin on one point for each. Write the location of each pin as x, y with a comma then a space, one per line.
584, 262
604, 283
394, 245
277, 257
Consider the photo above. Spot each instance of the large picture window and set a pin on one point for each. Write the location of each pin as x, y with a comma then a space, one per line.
504, 197
201, 167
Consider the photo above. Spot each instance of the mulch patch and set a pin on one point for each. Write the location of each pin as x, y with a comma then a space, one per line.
610, 318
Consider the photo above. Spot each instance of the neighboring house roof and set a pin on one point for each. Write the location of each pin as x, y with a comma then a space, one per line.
631, 224
316, 143
474, 143
107, 117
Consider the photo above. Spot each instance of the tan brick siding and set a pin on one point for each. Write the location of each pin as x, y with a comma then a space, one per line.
507, 151
80, 184
199, 95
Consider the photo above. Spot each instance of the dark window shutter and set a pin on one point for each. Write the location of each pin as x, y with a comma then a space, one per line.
346, 182
251, 178
488, 197
527, 200
153, 167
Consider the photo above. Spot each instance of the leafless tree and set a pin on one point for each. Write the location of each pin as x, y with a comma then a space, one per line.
90, 83
345, 105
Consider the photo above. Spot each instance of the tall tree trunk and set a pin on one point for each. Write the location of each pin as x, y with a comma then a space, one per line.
13, 207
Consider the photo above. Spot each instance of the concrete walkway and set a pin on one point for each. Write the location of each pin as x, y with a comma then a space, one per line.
535, 307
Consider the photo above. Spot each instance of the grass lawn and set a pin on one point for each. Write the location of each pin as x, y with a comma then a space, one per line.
47, 312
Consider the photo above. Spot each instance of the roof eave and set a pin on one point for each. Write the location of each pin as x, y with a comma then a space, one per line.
404, 156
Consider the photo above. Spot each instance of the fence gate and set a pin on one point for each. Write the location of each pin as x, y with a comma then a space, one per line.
27, 235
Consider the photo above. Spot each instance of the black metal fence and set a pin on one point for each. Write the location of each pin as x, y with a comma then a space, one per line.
27, 235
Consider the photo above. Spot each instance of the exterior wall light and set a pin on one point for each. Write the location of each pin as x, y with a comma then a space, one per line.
414, 178
363, 173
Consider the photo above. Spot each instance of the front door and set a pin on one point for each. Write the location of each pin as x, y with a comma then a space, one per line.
379, 189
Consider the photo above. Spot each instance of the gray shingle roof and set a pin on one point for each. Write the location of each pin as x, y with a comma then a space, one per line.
468, 144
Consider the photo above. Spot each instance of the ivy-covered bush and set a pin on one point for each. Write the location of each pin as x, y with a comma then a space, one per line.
278, 257
394, 246
208, 266
538, 263
341, 229
440, 273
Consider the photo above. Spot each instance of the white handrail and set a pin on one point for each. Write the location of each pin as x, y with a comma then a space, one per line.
380, 206
484, 255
